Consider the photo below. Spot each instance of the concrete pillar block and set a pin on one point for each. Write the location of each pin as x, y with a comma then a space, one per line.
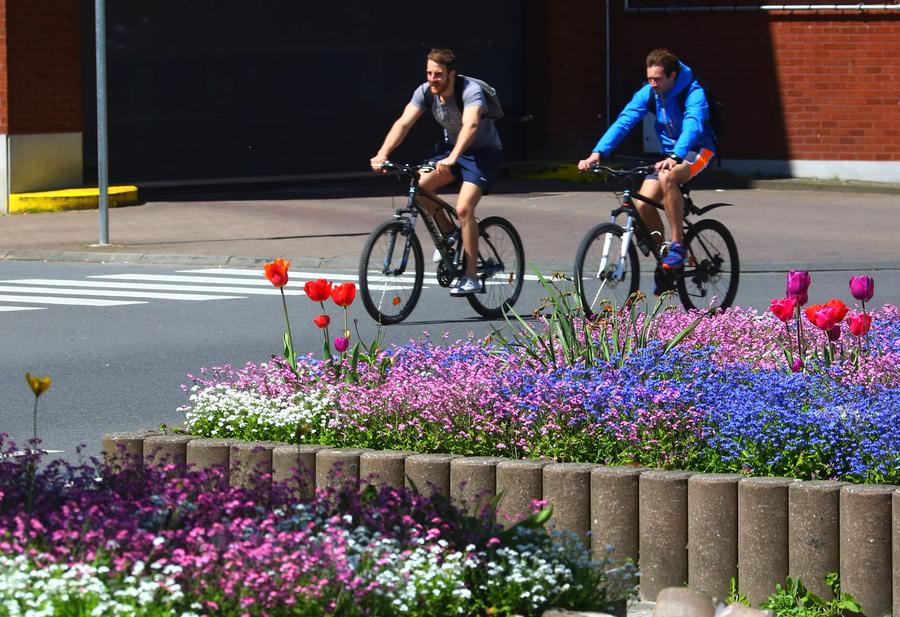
682, 602
338, 467
615, 504
384, 467
567, 487
762, 536
866, 546
294, 467
473, 482
122, 450
712, 533
663, 506
521, 483
251, 463
429, 473
896, 550
814, 533
209, 454
161, 450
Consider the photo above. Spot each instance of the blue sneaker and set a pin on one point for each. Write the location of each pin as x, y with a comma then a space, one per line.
675, 258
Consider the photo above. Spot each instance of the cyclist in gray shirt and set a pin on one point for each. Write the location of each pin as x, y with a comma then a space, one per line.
471, 150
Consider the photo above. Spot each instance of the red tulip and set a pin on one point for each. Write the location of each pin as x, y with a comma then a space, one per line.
322, 320
859, 324
341, 343
783, 309
840, 309
862, 287
277, 272
344, 294
798, 285
318, 291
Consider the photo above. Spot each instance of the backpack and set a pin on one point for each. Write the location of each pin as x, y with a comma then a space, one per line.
716, 110
492, 111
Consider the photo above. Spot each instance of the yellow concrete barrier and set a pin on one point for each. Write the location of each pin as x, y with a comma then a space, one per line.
71, 199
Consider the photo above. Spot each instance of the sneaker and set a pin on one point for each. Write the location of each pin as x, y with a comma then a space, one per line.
675, 257
467, 286
662, 282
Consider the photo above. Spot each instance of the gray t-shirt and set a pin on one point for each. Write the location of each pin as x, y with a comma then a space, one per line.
449, 116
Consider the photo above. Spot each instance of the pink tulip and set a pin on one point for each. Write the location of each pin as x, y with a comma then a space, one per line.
862, 287
796, 365
859, 324
798, 285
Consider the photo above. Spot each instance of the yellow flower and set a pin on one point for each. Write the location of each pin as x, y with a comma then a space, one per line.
38, 384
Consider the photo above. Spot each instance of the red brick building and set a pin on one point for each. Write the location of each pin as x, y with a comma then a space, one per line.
250, 89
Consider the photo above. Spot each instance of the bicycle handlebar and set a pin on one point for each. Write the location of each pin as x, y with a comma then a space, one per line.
407, 168
640, 170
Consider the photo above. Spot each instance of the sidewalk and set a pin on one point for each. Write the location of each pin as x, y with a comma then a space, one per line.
325, 225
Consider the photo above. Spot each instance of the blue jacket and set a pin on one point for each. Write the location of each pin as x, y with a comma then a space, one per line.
679, 130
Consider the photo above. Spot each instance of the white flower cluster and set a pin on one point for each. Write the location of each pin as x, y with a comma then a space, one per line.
424, 576
538, 578
27, 591
224, 411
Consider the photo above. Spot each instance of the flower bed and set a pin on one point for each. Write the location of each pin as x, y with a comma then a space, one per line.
88, 539
723, 400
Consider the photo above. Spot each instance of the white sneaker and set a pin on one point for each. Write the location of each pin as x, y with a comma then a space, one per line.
467, 286
436, 258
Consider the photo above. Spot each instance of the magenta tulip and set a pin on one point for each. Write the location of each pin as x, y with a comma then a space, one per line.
859, 324
835, 333
341, 343
798, 285
796, 365
862, 287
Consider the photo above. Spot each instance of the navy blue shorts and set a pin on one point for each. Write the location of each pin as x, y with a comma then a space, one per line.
477, 165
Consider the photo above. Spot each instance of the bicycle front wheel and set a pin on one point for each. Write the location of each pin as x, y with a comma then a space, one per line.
501, 267
390, 272
711, 269
606, 271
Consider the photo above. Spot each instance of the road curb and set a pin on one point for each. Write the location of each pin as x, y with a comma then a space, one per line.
71, 199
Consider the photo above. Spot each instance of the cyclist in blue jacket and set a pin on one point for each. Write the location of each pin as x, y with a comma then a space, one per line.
686, 139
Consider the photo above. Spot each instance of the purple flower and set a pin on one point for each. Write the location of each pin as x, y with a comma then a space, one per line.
796, 365
341, 343
798, 285
862, 287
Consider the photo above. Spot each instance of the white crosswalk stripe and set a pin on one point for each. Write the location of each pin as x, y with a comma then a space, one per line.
271, 291
10, 309
111, 293
70, 301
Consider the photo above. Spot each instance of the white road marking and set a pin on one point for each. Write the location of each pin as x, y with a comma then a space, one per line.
9, 309
156, 286
114, 293
66, 301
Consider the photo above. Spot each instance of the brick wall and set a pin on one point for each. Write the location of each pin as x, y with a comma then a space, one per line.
811, 85
44, 66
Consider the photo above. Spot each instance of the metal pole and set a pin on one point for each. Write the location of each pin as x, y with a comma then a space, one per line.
102, 155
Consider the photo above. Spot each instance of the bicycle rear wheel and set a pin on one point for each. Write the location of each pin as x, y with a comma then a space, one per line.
501, 267
390, 272
711, 270
606, 271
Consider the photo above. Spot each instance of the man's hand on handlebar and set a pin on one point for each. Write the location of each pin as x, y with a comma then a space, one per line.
377, 162
586, 164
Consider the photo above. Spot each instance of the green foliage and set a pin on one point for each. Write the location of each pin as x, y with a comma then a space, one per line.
570, 339
793, 599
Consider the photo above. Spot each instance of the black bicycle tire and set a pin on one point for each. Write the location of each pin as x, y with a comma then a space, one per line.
475, 299
682, 280
583, 248
364, 290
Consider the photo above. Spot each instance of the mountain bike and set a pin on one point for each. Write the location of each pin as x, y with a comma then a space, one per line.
392, 270
607, 269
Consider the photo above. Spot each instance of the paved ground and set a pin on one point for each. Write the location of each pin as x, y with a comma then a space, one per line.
785, 224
